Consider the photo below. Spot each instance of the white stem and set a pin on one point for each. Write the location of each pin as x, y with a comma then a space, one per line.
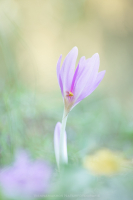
62, 134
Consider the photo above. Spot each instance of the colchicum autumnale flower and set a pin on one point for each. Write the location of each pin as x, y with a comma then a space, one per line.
76, 84
25, 179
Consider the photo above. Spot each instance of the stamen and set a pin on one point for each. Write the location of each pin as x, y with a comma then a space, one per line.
70, 94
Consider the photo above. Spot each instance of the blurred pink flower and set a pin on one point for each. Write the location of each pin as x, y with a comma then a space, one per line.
57, 144
77, 84
25, 178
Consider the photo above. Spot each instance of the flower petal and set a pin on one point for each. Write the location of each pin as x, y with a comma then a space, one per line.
58, 67
68, 68
77, 73
87, 75
57, 144
88, 90
58, 74
97, 82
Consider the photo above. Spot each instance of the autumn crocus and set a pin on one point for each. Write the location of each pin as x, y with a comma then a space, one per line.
77, 84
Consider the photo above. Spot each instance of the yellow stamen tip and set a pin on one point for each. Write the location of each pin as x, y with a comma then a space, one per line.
70, 94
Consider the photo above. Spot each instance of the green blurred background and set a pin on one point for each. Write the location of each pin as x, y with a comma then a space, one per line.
33, 34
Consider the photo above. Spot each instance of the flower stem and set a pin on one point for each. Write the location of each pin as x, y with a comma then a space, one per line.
62, 135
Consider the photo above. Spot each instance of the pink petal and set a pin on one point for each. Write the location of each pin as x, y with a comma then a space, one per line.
61, 85
68, 68
88, 90
57, 144
74, 79
77, 73
58, 67
98, 80
58, 74
87, 75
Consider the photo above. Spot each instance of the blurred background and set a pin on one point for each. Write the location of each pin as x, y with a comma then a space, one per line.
33, 34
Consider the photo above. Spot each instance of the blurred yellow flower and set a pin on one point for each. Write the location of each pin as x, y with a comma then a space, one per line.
104, 162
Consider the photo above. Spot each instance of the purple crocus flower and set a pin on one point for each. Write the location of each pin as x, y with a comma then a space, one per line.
57, 144
77, 84
25, 178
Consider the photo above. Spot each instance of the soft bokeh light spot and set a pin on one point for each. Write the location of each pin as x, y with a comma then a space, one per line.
104, 162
